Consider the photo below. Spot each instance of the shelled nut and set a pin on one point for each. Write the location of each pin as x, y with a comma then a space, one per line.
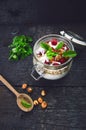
35, 102
44, 104
29, 89
40, 100
43, 93
24, 86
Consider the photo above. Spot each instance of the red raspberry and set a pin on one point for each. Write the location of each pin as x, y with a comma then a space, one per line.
55, 63
62, 60
47, 62
54, 42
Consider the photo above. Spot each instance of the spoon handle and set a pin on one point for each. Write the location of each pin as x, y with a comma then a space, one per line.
8, 85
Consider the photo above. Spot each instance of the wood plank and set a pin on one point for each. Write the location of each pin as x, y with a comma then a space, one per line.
66, 97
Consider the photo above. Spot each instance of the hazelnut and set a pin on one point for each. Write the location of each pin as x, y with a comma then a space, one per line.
58, 57
40, 100
29, 89
43, 93
35, 102
24, 86
61, 51
44, 104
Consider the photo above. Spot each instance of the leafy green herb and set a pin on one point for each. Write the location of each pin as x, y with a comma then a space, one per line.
20, 47
60, 45
50, 53
69, 54
44, 45
25, 103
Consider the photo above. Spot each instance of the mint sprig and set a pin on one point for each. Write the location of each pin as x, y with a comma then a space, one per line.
50, 53
20, 47
60, 45
44, 45
69, 54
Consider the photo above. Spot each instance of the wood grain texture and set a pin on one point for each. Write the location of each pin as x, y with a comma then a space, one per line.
30, 11
66, 110
66, 97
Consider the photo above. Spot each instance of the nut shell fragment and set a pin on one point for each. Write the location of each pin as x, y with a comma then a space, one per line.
35, 102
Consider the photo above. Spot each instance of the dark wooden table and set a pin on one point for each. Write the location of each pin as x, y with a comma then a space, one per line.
66, 97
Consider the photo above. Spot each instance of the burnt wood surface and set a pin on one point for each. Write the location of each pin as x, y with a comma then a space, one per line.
66, 97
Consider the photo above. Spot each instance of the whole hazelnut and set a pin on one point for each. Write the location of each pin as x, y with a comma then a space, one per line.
44, 104
24, 86
40, 100
43, 93
29, 89
58, 57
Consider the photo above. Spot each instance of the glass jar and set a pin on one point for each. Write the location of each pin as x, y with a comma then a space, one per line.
46, 71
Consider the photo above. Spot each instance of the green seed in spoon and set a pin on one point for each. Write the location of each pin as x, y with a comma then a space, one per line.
25, 103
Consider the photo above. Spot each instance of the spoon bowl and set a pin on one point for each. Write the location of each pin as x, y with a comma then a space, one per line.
24, 96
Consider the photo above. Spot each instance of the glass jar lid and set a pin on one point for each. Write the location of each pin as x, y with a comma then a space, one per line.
73, 37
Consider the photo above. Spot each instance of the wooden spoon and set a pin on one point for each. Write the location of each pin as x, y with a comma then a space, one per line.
20, 96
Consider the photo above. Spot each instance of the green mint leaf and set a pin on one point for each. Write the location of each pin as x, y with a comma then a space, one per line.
25, 103
15, 50
60, 45
50, 54
21, 38
20, 47
44, 45
69, 54
13, 57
